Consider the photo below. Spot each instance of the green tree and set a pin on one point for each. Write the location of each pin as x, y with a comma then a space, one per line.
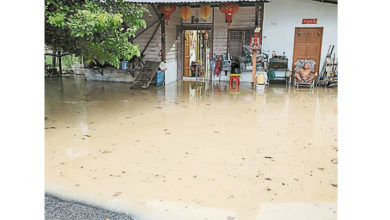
100, 31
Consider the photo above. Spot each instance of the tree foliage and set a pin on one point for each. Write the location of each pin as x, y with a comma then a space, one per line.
100, 31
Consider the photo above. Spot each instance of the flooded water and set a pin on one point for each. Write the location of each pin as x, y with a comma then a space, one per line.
193, 150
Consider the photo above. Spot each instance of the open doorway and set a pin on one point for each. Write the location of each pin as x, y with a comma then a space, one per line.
196, 51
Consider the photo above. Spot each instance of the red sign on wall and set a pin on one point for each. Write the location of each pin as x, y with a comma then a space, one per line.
309, 21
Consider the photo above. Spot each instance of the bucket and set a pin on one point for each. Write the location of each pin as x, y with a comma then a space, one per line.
160, 77
260, 79
124, 65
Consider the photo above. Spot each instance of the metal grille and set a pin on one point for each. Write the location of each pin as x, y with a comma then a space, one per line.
238, 38
235, 43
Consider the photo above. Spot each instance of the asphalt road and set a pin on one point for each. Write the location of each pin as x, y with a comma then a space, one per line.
58, 209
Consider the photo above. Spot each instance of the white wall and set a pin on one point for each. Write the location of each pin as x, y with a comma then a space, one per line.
282, 16
171, 72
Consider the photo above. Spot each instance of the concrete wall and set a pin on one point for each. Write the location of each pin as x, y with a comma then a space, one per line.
282, 16
110, 74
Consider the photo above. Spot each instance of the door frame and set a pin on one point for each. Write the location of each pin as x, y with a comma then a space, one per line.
180, 30
319, 52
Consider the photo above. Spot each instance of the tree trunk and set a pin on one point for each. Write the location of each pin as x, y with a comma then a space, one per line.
59, 62
53, 60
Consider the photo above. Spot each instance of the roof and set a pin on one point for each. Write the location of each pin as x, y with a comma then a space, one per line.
192, 1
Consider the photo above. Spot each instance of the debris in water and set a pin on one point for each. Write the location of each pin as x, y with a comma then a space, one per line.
268, 157
335, 185
268, 179
116, 194
320, 168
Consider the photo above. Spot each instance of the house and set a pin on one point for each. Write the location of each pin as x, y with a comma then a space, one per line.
183, 33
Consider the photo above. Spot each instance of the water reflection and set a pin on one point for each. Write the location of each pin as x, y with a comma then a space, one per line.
190, 144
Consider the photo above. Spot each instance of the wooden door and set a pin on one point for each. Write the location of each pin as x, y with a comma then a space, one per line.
307, 44
187, 53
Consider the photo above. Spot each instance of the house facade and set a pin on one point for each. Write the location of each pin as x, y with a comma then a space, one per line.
197, 33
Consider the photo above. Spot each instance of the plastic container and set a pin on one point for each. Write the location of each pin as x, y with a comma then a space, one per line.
160, 77
124, 65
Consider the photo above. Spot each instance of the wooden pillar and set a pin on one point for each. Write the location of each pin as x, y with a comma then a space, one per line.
261, 21
256, 14
163, 55
212, 46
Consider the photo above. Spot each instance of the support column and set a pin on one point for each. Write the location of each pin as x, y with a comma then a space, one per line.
256, 14
163, 56
261, 22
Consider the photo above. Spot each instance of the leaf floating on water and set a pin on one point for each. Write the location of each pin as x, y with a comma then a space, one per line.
268, 157
320, 168
335, 185
268, 179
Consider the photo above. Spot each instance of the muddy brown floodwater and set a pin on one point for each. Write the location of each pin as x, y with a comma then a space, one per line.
193, 150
